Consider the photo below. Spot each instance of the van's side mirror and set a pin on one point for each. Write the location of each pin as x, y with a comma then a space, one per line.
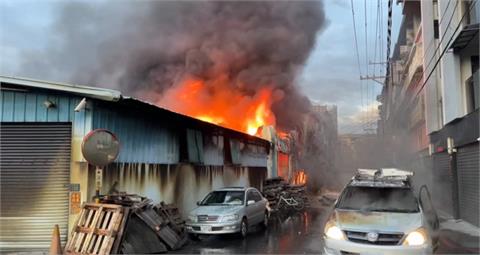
250, 202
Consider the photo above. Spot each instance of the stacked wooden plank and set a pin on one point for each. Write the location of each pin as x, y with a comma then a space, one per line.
96, 229
274, 187
127, 223
172, 214
299, 193
161, 219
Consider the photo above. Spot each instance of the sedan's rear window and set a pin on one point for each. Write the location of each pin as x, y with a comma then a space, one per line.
378, 199
224, 198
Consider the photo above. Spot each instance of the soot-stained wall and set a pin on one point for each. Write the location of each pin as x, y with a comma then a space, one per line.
182, 184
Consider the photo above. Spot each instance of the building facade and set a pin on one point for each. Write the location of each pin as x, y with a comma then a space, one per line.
163, 155
430, 102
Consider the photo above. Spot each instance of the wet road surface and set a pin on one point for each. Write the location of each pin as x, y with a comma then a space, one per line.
299, 234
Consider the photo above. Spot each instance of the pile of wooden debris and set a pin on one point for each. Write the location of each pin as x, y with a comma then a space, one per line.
125, 223
273, 188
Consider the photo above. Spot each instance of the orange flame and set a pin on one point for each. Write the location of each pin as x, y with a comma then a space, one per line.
282, 134
221, 104
300, 177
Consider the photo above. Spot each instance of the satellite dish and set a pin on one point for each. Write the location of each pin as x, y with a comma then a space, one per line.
100, 147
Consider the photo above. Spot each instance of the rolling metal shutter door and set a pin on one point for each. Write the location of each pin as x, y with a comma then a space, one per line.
442, 183
468, 183
34, 174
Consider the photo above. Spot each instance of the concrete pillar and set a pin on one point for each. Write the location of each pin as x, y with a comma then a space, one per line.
433, 115
451, 90
81, 125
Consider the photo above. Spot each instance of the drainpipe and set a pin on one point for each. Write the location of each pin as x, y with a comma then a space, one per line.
453, 168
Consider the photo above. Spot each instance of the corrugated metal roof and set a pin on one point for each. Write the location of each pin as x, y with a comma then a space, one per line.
92, 92
116, 96
219, 130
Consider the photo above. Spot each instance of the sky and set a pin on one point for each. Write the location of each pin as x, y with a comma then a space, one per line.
331, 75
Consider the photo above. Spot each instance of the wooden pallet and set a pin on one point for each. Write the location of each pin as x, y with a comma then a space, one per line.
95, 229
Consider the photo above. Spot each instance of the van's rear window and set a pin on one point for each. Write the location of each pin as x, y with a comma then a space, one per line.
378, 199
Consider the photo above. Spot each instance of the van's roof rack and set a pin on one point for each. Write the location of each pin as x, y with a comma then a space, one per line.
383, 177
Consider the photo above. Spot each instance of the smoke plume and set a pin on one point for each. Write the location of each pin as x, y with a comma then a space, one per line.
146, 48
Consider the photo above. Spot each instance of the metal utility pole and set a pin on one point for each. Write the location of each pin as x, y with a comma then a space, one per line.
373, 78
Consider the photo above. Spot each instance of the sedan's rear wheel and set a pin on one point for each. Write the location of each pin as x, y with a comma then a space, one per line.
265, 220
194, 237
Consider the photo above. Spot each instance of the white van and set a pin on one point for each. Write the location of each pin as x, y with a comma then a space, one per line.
378, 213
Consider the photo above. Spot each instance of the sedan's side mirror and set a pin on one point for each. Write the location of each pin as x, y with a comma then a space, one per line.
198, 202
250, 202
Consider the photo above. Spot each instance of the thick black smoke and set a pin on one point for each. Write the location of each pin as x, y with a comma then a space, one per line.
144, 48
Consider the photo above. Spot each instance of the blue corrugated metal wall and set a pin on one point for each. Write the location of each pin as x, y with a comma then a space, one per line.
142, 140
253, 155
29, 107
213, 150
19, 106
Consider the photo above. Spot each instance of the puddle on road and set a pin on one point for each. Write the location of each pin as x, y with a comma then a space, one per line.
295, 233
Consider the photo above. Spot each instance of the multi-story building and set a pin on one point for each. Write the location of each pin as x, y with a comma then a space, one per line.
430, 101
402, 111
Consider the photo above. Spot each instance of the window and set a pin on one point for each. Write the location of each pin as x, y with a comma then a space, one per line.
378, 199
191, 146
436, 32
472, 92
224, 198
256, 196
250, 196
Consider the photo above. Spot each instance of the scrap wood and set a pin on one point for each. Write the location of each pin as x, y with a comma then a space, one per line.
273, 188
172, 215
95, 229
160, 227
163, 219
139, 239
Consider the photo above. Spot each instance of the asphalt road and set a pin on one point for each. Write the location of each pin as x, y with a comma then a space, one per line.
299, 233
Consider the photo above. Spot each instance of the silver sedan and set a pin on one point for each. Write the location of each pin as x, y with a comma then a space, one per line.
228, 210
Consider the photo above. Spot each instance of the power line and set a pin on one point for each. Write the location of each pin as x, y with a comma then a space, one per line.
377, 25
366, 55
381, 30
357, 51
447, 46
443, 37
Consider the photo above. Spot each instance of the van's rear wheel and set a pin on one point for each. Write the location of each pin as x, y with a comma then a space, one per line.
244, 228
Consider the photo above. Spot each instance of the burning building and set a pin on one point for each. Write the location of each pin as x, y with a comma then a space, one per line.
222, 68
164, 155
